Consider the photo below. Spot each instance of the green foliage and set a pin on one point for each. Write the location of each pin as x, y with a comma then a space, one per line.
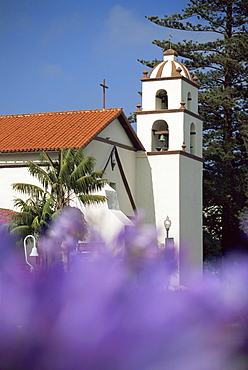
222, 71
64, 178
132, 118
244, 221
69, 176
34, 217
212, 247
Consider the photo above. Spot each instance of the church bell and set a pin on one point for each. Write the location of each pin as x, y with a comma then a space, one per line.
162, 138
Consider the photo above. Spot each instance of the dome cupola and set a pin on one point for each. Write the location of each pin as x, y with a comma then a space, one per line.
170, 67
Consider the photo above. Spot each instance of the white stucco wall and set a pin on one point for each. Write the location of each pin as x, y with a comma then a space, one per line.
106, 222
175, 123
193, 90
11, 175
177, 90
188, 120
150, 88
101, 151
115, 132
166, 182
177, 191
179, 130
191, 253
144, 188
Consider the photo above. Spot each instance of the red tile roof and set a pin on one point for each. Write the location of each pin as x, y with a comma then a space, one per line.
51, 131
6, 215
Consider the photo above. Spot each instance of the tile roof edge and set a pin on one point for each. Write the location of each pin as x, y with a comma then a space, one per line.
8, 209
119, 112
61, 112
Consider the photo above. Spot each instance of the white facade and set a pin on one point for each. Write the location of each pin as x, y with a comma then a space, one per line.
164, 180
171, 131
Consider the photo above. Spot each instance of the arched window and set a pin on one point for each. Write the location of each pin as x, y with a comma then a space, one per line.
161, 99
160, 136
189, 100
192, 138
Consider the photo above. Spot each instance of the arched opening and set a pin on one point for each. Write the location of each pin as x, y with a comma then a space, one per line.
192, 138
161, 99
189, 100
160, 136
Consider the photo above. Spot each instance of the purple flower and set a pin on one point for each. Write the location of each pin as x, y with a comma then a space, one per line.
114, 312
69, 227
61, 239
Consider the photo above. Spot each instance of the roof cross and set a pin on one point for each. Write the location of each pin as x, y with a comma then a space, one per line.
170, 38
103, 84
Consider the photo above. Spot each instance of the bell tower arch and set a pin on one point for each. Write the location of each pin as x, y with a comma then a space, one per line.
170, 128
160, 135
161, 99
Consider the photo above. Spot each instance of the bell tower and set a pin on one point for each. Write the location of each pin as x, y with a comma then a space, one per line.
170, 128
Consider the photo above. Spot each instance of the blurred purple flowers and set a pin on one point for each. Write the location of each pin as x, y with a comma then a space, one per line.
114, 312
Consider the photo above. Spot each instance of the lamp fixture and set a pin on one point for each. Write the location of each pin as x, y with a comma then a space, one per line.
167, 225
33, 253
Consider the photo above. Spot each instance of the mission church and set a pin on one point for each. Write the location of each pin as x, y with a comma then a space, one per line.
157, 171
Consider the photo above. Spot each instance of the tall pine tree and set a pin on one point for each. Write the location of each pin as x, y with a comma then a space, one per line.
221, 68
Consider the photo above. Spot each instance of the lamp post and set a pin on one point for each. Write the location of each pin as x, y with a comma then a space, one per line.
167, 225
34, 251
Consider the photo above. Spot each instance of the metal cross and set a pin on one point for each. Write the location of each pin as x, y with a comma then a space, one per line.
170, 38
103, 92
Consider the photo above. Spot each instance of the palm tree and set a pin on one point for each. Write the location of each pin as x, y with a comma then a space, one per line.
34, 217
70, 175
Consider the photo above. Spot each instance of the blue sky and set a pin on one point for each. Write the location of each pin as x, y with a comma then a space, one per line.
54, 54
